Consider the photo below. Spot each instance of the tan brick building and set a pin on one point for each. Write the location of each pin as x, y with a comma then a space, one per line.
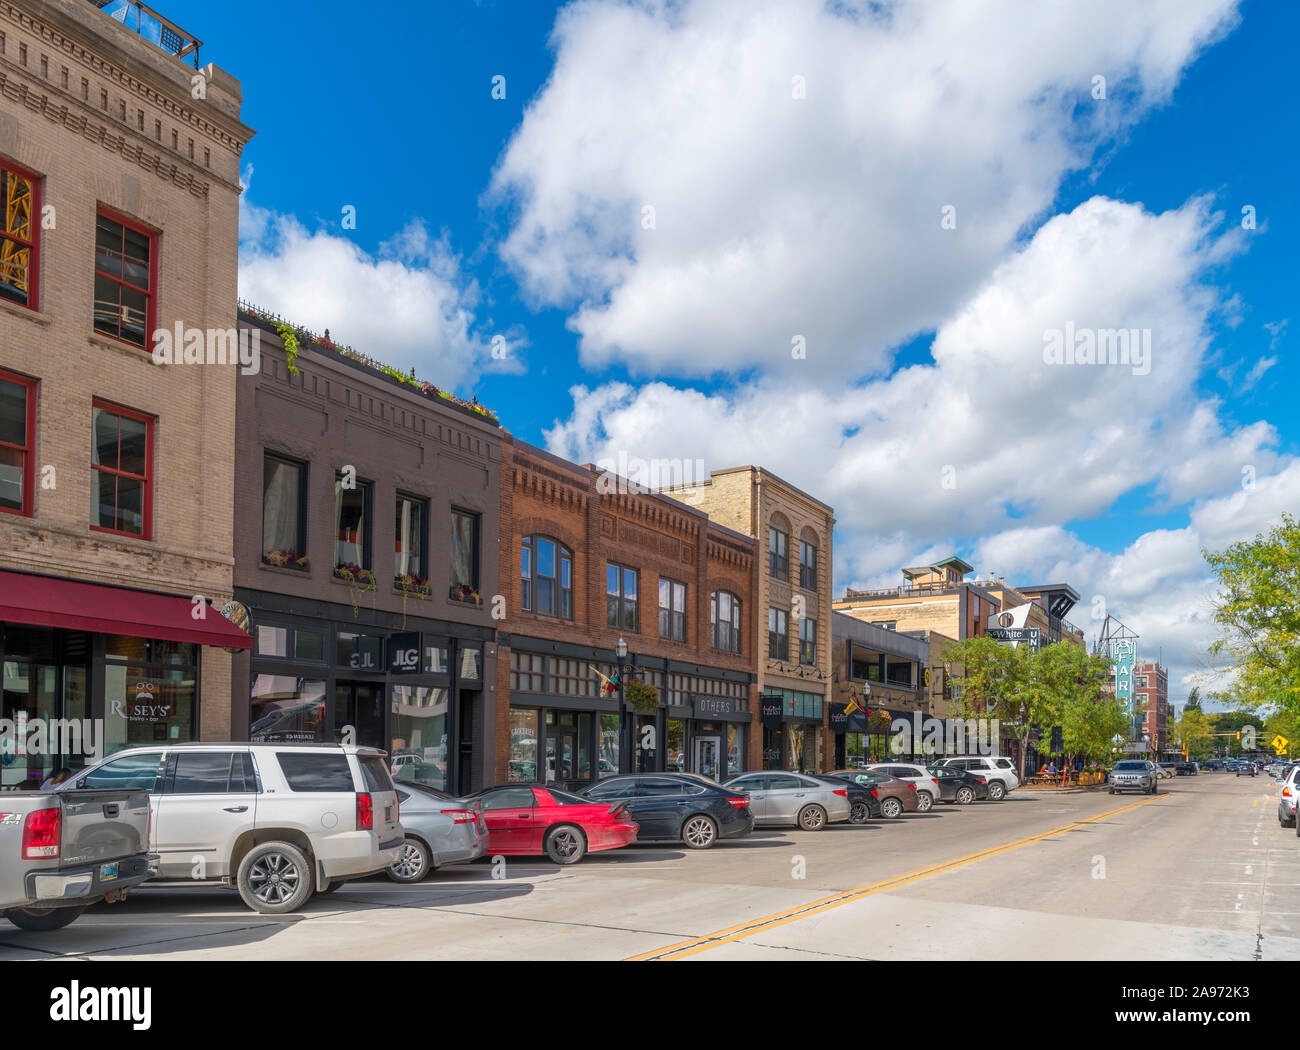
792, 635
119, 163
587, 560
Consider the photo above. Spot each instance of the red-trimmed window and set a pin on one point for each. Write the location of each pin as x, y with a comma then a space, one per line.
126, 275
20, 251
121, 474
17, 442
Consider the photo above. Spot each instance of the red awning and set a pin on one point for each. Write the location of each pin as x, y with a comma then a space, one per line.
49, 602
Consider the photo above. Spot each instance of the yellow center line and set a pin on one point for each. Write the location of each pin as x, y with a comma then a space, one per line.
733, 933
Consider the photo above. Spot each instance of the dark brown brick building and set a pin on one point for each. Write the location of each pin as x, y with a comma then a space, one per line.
586, 559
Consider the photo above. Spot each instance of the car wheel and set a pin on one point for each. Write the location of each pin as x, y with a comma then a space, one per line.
699, 832
891, 809
566, 844
965, 796
812, 818
860, 814
39, 920
275, 878
924, 802
996, 791
1111, 790
412, 863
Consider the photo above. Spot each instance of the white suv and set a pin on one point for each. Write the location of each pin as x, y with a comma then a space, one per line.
1286, 800
998, 770
278, 821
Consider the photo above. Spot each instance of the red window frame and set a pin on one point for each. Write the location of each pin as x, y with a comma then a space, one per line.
34, 273
29, 449
146, 499
150, 294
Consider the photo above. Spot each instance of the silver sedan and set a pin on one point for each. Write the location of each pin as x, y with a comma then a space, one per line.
790, 798
440, 830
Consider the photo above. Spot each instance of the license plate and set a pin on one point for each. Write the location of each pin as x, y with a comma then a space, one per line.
107, 872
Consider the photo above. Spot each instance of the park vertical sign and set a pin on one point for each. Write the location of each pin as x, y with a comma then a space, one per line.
1123, 656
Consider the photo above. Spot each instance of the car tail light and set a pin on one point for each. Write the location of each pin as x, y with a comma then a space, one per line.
911, 785
41, 834
981, 780
1286, 792
843, 792
461, 816
365, 812
873, 793
739, 803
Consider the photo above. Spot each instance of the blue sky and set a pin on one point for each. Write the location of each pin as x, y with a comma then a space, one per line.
518, 216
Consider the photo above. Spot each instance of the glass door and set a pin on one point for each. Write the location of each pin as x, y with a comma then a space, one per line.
561, 753
708, 751
360, 706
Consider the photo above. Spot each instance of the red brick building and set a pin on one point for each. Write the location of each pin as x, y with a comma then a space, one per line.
586, 559
1151, 692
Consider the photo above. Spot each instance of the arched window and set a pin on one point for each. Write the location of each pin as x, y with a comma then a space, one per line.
724, 617
546, 577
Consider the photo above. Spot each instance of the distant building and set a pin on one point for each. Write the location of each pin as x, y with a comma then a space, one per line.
1151, 692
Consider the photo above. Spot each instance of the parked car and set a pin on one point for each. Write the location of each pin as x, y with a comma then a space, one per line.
1214, 764
927, 788
1286, 799
677, 807
778, 798
1134, 774
998, 770
895, 797
1167, 769
439, 830
62, 851
279, 821
958, 785
539, 820
863, 805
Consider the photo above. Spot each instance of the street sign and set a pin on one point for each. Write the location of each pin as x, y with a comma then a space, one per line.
1279, 743
1015, 635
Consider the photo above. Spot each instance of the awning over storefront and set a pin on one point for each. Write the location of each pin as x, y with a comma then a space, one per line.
48, 602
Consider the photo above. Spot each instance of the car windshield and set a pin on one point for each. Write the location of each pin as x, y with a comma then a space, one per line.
1131, 767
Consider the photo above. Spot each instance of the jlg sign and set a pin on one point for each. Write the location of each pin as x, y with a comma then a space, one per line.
404, 653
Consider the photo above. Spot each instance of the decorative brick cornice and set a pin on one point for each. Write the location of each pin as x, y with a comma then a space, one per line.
82, 55
100, 134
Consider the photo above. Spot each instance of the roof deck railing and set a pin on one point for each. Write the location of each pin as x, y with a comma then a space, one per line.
151, 25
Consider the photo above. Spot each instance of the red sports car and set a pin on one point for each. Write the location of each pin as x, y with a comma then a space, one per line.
532, 819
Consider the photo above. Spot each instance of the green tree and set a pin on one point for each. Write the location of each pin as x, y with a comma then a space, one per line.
1193, 732
1072, 694
1258, 615
1193, 699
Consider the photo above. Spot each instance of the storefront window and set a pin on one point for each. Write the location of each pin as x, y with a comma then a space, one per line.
360, 652
608, 745
471, 664
287, 708
794, 746
435, 659
148, 704
419, 744
675, 759
735, 750
523, 744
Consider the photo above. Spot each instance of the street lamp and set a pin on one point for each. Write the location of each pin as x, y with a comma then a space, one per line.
624, 737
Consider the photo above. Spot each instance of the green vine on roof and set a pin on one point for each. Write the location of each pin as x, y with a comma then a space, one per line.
290, 339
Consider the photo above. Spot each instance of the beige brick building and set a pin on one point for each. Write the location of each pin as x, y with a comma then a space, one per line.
792, 633
119, 164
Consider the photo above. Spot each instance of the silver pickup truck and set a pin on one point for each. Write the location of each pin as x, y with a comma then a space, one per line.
62, 851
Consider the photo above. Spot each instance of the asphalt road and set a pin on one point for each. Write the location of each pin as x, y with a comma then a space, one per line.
1200, 871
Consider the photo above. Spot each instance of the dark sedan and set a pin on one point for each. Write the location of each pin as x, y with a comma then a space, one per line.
863, 804
959, 785
678, 807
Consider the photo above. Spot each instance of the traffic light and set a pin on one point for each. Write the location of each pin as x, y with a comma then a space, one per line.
1058, 743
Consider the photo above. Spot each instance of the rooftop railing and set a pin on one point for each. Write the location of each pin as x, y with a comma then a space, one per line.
151, 25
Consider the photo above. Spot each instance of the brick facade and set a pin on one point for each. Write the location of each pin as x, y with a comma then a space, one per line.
105, 119
580, 508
